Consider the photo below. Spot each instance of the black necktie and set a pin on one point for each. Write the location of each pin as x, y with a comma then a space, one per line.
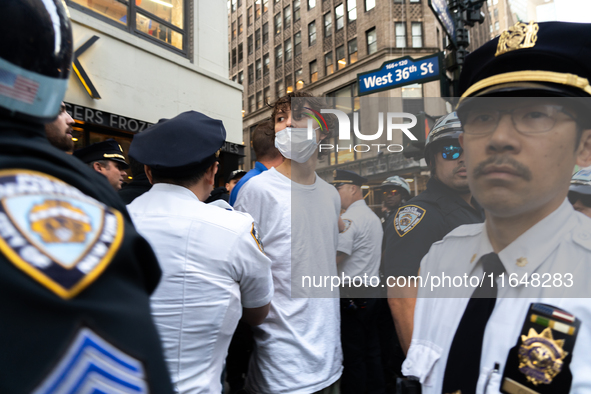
463, 363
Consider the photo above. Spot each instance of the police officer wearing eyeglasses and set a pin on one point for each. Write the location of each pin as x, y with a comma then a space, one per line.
446, 204
524, 108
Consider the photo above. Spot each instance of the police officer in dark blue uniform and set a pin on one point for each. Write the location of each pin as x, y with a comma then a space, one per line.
427, 218
75, 276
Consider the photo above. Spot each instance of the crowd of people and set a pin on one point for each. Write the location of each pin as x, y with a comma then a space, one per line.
167, 286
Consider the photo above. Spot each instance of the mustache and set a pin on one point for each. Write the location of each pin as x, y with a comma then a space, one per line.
519, 168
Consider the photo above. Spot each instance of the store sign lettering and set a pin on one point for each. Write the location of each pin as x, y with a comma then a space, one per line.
102, 118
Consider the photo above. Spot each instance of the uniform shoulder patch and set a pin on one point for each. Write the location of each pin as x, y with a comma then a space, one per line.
93, 365
54, 233
347, 224
256, 235
407, 217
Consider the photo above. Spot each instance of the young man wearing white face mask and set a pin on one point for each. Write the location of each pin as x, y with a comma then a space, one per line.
298, 347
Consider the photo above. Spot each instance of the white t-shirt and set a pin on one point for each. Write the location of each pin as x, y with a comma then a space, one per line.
212, 266
298, 346
361, 241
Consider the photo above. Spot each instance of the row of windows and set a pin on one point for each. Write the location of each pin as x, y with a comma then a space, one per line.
161, 21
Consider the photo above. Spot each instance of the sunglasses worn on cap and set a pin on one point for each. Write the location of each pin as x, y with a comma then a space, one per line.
585, 199
393, 192
451, 152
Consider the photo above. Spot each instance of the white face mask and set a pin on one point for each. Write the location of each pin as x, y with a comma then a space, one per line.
293, 143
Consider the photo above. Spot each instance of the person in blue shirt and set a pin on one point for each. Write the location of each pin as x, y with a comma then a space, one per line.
263, 143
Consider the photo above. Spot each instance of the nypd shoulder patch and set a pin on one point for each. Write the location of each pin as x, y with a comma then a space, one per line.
93, 365
54, 233
407, 217
257, 238
347, 225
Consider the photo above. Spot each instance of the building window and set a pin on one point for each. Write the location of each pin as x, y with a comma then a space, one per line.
311, 4
278, 56
296, 10
239, 3
233, 5
249, 40
265, 33
163, 24
289, 83
278, 23
266, 64
299, 80
234, 57
372, 41
257, 9
251, 104
279, 89
495, 2
297, 43
249, 16
496, 12
265, 6
287, 16
267, 95
370, 5
327, 25
240, 77
240, 53
417, 34
328, 67
287, 47
257, 39
313, 71
259, 100
234, 30
352, 10
415, 1
398, 1
259, 69
339, 13
312, 33
497, 26
250, 74
240, 26
352, 51
490, 28
400, 28
341, 60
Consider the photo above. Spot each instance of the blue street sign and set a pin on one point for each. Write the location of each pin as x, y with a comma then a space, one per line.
400, 72
444, 17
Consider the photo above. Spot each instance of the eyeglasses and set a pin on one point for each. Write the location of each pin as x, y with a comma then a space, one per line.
451, 152
392, 193
531, 119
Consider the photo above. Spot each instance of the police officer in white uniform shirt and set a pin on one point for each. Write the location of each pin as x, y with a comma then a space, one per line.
214, 267
517, 322
358, 257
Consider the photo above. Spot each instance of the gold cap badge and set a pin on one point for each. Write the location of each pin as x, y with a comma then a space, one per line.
519, 36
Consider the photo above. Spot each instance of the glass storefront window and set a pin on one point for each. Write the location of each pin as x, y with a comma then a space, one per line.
112, 9
159, 31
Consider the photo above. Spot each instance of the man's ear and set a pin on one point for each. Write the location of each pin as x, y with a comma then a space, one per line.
97, 166
461, 140
148, 172
210, 173
584, 150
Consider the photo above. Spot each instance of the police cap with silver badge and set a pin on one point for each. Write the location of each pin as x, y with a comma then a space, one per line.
342, 177
179, 145
104, 150
548, 58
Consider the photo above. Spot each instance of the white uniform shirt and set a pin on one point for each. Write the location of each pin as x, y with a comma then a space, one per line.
361, 241
212, 266
298, 346
560, 243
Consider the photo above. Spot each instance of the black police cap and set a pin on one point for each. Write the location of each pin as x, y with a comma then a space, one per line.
549, 58
344, 176
105, 150
182, 143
